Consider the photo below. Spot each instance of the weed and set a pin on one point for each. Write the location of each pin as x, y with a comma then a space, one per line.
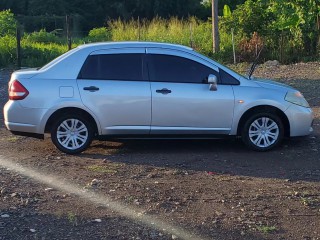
309, 202
72, 218
266, 229
130, 198
110, 168
13, 139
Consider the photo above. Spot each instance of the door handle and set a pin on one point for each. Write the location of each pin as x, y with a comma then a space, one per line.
163, 91
91, 88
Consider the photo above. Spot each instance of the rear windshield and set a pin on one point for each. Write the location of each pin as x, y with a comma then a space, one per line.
54, 61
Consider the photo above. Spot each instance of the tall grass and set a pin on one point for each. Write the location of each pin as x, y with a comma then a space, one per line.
189, 32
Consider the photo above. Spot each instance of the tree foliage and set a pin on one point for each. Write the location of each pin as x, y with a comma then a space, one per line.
280, 22
7, 23
96, 13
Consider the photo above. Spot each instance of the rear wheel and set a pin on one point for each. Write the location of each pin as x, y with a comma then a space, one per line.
263, 131
72, 134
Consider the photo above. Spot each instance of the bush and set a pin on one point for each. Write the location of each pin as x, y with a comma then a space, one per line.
8, 23
7, 51
99, 35
250, 48
42, 37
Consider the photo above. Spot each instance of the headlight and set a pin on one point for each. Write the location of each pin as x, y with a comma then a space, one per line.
297, 98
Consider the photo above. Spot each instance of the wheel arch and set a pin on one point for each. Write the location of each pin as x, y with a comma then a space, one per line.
262, 109
71, 110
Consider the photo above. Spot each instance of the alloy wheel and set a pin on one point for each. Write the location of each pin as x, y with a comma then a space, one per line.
72, 134
263, 132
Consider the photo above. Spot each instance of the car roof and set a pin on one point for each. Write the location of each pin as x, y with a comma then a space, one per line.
134, 44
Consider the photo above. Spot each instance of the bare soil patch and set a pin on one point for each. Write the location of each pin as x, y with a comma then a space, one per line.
215, 188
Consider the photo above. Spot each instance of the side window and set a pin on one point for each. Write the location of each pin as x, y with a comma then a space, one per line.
127, 67
227, 79
167, 68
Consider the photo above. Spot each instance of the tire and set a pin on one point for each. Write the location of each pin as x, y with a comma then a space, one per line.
262, 131
72, 134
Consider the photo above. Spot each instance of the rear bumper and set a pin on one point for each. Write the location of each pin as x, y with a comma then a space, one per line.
20, 127
20, 119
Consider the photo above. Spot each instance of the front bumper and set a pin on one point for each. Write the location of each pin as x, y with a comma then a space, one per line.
300, 119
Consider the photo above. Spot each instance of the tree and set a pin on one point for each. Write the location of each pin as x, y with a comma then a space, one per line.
207, 5
288, 27
297, 18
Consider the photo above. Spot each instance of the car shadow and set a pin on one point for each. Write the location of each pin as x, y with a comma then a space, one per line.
296, 159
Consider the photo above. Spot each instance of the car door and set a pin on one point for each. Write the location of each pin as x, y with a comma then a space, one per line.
114, 86
182, 102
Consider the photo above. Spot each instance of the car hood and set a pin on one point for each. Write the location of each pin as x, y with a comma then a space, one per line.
267, 83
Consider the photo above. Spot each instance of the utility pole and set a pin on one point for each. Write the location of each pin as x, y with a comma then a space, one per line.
215, 27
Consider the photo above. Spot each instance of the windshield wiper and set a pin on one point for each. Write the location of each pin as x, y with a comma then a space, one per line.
254, 64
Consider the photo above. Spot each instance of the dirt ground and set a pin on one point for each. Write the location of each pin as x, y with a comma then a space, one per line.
216, 189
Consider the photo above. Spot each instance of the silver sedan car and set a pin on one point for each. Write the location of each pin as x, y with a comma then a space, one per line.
149, 90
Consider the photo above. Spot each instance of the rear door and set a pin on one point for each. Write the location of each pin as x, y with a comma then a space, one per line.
113, 85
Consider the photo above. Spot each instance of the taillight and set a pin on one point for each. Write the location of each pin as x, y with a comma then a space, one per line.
17, 91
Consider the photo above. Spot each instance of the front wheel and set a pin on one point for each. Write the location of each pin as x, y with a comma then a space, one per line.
72, 134
263, 131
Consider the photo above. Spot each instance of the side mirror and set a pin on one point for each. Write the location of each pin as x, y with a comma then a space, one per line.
213, 82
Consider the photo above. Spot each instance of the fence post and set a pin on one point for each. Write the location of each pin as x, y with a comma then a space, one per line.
191, 35
68, 32
139, 34
233, 47
281, 47
18, 37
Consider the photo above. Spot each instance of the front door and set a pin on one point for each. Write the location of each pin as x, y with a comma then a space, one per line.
182, 102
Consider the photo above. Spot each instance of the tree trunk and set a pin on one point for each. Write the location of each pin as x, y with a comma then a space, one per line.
215, 27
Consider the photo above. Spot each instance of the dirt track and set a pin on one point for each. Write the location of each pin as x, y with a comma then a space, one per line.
217, 189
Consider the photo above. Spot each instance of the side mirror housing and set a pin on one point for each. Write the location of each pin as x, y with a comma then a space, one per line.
213, 82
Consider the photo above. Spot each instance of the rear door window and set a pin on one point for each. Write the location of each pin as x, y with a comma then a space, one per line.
125, 67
